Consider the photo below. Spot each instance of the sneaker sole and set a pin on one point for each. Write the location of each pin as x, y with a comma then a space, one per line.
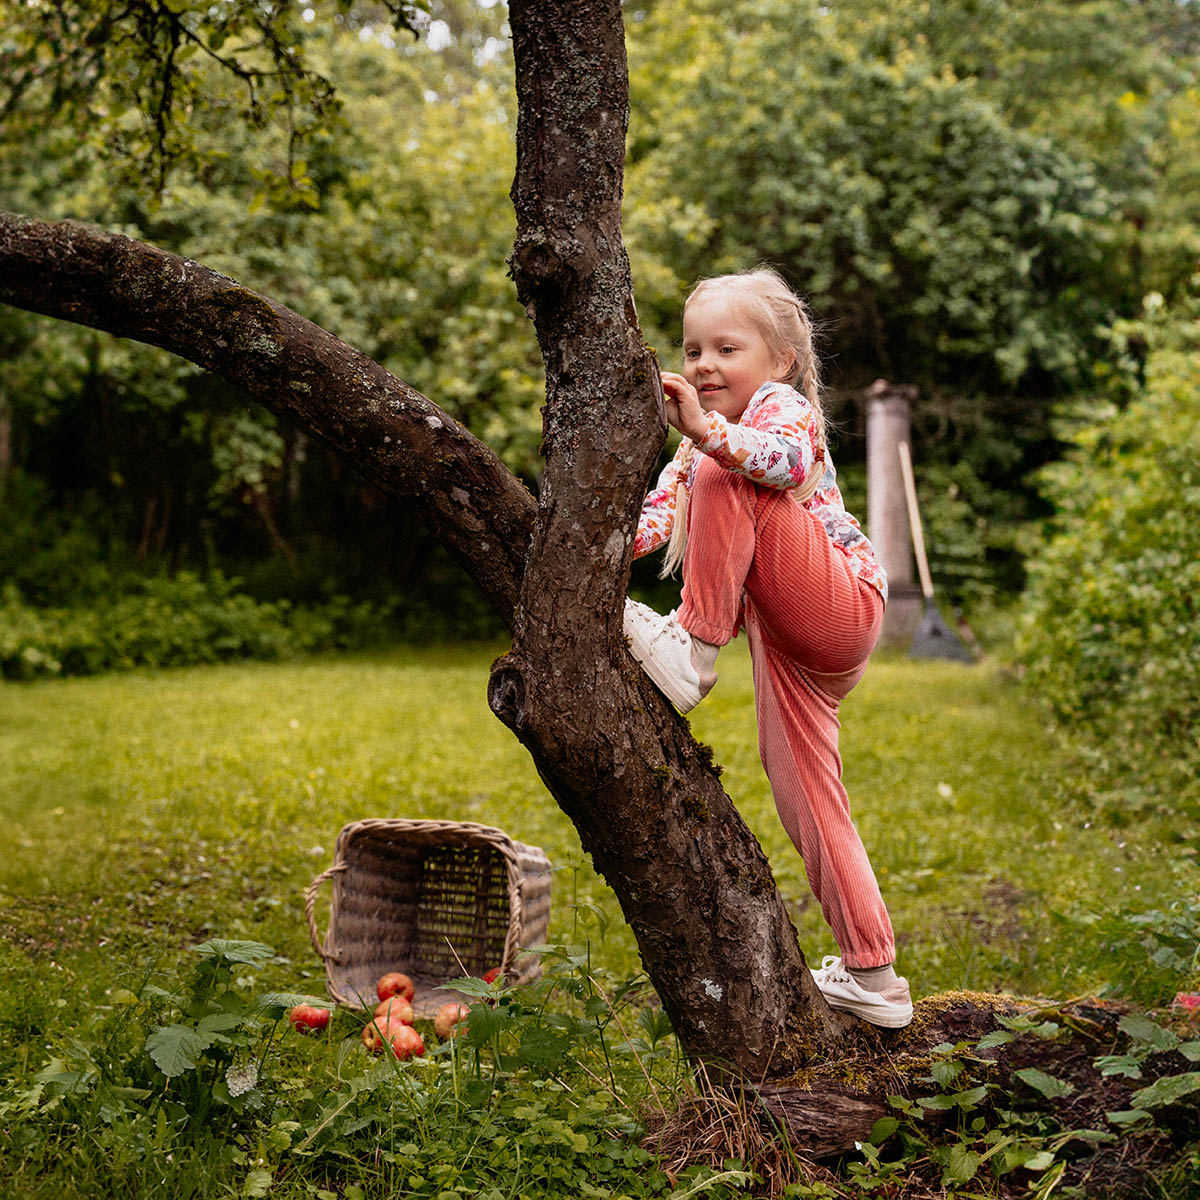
873, 1015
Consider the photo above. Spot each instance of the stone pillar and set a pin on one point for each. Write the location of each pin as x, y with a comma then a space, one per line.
889, 418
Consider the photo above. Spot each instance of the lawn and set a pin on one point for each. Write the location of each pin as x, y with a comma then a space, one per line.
154, 809
150, 811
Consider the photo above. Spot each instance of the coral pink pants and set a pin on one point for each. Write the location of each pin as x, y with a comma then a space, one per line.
812, 625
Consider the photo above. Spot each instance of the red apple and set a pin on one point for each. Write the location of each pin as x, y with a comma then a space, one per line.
378, 1031
447, 1018
395, 983
307, 1018
394, 1008
405, 1042
492, 975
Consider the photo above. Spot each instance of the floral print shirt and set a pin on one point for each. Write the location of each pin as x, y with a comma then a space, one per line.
776, 445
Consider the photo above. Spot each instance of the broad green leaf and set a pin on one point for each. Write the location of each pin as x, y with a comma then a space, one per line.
1050, 1087
971, 1097
945, 1071
250, 953
1128, 1116
1142, 1029
175, 1049
258, 1183
1190, 1050
883, 1129
1168, 1090
1120, 1064
960, 1165
217, 1023
998, 1037
277, 1003
1039, 1161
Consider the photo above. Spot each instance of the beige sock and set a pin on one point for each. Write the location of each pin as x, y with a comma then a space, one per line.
704, 659
874, 979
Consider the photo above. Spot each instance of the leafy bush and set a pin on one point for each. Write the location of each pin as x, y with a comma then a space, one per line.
1110, 636
175, 622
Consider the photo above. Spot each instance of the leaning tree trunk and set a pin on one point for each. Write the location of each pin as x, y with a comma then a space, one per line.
691, 880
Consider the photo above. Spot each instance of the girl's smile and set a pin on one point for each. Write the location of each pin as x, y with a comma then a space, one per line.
726, 358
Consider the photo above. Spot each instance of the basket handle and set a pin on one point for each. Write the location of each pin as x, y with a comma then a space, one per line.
310, 904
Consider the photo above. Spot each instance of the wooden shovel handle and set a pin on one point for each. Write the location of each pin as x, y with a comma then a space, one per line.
914, 519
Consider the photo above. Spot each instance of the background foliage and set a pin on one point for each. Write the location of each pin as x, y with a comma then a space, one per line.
976, 196
1111, 620
967, 192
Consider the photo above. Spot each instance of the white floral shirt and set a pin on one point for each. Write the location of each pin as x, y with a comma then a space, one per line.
776, 444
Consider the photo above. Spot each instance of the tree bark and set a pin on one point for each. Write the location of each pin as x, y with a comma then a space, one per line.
692, 881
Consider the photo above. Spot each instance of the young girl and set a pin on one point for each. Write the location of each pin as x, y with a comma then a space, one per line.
750, 506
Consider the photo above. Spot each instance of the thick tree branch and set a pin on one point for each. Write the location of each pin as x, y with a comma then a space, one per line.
397, 438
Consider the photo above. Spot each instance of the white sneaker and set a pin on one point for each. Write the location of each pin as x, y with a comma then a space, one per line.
666, 652
892, 1008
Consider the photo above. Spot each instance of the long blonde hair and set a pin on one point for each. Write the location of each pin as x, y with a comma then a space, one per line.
782, 318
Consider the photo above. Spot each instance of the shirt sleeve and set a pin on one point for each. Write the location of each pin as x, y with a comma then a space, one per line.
776, 445
658, 509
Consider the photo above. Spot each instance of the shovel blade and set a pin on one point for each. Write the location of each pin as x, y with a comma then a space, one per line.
935, 639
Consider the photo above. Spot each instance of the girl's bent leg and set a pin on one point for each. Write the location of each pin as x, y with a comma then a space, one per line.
720, 549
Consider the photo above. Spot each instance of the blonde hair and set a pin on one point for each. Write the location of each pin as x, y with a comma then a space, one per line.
782, 318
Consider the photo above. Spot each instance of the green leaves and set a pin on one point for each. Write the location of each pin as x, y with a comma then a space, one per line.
1048, 1085
228, 952
1168, 1090
176, 1048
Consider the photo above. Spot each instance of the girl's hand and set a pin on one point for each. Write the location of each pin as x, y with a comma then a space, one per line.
683, 406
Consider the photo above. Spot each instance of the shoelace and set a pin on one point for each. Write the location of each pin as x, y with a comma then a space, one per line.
834, 970
670, 629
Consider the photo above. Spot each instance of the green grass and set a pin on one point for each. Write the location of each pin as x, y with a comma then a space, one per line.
150, 811
161, 807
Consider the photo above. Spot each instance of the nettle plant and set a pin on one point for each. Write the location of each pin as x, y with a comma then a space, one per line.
975, 1127
551, 1079
192, 1051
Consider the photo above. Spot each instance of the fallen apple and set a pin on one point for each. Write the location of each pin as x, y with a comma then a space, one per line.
308, 1018
395, 983
405, 1042
379, 1030
447, 1018
395, 1008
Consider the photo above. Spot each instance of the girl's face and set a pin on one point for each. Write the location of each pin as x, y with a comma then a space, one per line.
725, 357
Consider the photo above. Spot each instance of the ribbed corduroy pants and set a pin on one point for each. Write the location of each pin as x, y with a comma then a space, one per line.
753, 553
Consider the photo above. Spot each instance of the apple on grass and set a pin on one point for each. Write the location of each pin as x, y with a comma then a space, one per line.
395, 1007
405, 1042
308, 1018
395, 983
379, 1030
447, 1020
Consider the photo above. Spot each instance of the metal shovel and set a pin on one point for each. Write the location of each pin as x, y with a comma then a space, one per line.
934, 638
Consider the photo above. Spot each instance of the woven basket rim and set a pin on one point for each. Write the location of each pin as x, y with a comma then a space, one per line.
465, 833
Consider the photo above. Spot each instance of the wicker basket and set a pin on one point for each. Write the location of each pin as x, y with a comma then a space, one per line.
437, 900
